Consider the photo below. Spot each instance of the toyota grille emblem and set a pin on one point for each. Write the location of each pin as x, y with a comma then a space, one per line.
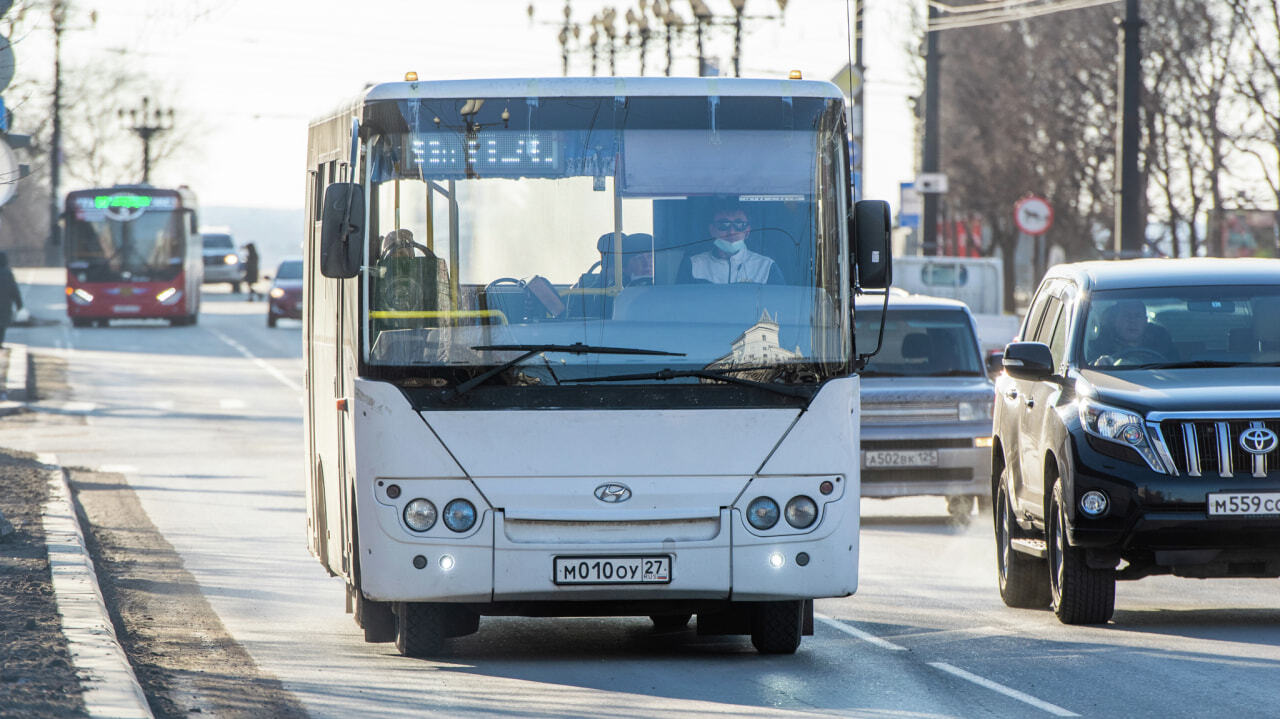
613, 493
1255, 440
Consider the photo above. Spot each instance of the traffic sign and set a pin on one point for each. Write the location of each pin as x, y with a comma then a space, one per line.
931, 182
1033, 215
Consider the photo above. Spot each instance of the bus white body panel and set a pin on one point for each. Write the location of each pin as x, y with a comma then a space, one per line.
690, 474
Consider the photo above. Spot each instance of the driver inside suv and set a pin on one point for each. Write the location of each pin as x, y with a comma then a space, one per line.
1127, 337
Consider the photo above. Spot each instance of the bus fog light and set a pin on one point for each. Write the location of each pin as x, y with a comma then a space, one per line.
169, 296
419, 562
420, 515
446, 562
459, 515
776, 560
762, 513
802, 559
801, 512
1094, 503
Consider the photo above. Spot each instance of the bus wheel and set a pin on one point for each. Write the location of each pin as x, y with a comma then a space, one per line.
776, 626
80, 322
271, 320
419, 629
670, 622
104, 323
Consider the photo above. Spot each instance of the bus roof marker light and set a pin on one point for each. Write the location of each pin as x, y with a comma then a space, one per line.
795, 75
411, 76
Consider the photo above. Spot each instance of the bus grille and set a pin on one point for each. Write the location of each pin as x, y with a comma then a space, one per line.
1202, 447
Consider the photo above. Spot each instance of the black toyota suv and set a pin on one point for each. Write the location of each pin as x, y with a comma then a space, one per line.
1136, 426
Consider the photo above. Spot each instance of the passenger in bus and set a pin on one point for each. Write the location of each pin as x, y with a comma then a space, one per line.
729, 261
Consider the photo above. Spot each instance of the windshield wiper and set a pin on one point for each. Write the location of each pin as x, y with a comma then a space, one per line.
721, 375
528, 351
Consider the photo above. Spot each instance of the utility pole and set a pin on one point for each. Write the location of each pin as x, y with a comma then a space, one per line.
1130, 224
929, 160
58, 13
146, 123
859, 99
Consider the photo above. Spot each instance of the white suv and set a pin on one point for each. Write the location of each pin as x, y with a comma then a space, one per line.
221, 263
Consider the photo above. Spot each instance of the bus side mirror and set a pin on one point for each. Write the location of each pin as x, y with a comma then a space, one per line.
342, 230
193, 224
869, 230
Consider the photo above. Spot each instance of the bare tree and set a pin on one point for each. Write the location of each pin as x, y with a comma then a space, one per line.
1258, 83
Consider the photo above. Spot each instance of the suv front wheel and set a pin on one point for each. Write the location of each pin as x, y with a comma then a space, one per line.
1081, 594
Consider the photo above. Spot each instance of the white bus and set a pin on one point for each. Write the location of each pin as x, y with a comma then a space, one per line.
583, 347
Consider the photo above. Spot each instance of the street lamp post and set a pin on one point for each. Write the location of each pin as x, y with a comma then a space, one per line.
147, 122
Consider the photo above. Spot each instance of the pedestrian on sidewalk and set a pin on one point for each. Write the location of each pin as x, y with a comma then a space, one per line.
10, 297
251, 270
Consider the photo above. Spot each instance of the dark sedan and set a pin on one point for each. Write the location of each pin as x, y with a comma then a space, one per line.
284, 299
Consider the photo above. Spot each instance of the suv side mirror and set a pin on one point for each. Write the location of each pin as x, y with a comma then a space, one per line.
995, 362
869, 231
342, 230
1028, 360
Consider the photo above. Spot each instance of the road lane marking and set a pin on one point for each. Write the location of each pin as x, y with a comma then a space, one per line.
78, 407
1002, 689
232, 404
854, 632
258, 361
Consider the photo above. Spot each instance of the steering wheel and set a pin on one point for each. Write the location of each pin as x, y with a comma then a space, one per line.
1139, 355
402, 292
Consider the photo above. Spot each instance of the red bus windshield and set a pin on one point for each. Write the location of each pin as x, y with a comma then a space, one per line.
124, 237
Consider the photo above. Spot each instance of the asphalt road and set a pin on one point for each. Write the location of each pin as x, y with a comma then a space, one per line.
205, 424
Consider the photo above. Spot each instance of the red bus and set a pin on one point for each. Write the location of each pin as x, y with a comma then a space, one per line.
132, 251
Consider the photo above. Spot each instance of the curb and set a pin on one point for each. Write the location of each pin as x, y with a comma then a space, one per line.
13, 392
111, 689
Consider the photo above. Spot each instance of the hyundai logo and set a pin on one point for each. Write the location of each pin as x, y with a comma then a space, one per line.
1255, 440
614, 493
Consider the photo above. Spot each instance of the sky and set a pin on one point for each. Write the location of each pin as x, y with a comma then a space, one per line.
250, 74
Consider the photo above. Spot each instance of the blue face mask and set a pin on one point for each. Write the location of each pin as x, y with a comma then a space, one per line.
731, 248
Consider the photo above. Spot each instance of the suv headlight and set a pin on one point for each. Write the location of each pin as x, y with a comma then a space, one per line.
1119, 426
971, 411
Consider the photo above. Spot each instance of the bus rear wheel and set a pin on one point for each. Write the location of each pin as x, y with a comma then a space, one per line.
776, 626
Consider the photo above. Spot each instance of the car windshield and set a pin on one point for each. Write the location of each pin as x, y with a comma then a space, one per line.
710, 227
919, 343
289, 270
125, 238
1181, 326
217, 242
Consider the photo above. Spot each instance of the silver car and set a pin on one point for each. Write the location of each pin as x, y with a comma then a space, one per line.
926, 403
221, 262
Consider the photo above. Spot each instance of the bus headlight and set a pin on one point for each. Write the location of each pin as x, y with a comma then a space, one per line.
79, 296
459, 515
169, 296
801, 512
762, 513
420, 515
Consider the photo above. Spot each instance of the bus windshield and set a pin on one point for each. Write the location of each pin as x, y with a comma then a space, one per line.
124, 238
711, 227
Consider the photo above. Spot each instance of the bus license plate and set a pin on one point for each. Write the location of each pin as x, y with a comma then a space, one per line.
613, 570
127, 308
1244, 504
900, 458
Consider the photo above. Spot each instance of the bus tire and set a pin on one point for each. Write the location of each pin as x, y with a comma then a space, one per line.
271, 320
419, 629
776, 626
670, 622
80, 322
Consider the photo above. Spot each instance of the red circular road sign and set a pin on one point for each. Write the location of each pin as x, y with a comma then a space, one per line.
1033, 215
